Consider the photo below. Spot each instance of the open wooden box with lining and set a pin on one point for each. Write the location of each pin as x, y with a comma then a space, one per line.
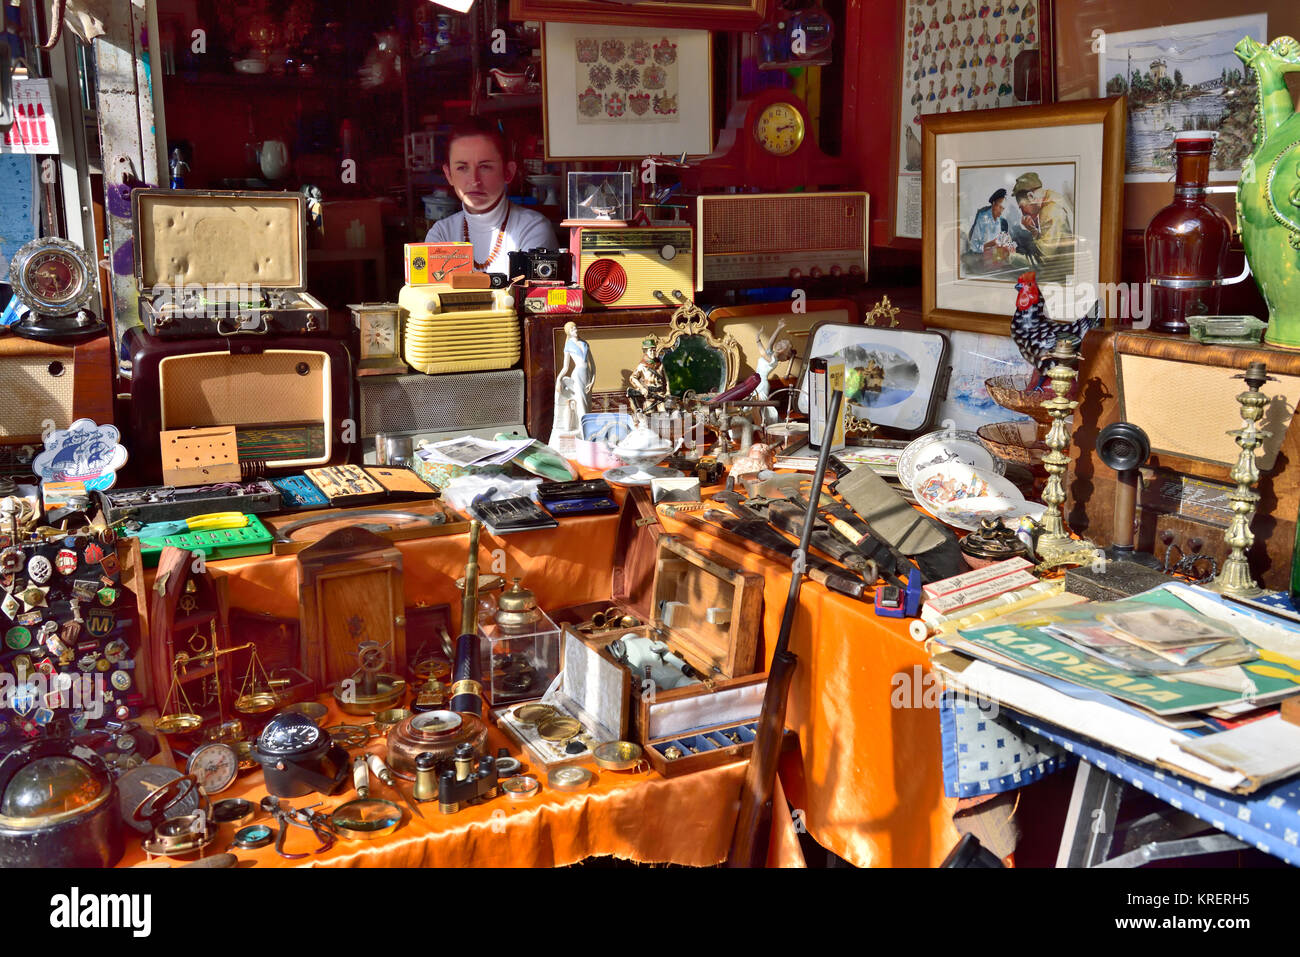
709, 614
589, 688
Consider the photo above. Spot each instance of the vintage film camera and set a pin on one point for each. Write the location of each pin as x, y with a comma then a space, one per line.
541, 265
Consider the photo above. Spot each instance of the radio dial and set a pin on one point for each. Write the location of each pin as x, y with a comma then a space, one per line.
815, 272
668, 252
836, 271
796, 274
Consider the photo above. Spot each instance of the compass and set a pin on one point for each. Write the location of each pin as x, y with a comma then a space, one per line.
56, 280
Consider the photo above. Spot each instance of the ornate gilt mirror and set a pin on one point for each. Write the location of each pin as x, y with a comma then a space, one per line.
693, 358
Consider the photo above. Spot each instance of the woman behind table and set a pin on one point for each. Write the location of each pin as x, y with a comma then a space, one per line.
479, 171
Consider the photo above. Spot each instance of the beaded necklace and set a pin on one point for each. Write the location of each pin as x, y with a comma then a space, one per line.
496, 245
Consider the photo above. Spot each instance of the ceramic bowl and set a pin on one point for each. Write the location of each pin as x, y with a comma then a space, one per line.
939, 488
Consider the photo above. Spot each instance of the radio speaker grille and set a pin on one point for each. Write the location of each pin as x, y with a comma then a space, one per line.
217, 388
32, 390
439, 403
764, 224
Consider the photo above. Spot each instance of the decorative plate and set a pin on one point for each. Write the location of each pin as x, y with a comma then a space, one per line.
967, 513
947, 445
938, 487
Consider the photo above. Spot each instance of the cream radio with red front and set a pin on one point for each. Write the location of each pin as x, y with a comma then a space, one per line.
781, 237
625, 268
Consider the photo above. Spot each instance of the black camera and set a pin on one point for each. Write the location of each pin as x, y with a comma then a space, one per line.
541, 265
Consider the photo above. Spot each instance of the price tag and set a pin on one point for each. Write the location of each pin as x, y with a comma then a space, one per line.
557, 297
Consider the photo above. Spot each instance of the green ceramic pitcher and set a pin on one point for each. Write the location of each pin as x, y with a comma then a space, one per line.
1268, 196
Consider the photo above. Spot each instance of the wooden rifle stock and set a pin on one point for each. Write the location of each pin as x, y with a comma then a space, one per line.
754, 822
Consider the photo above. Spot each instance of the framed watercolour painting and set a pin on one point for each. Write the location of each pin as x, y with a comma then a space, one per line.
621, 92
1027, 189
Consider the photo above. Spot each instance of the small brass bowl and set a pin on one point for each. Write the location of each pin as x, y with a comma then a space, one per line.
385, 720
182, 722
313, 710
618, 755
259, 702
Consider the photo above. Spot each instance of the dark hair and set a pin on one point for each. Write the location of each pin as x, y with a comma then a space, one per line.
998, 197
478, 128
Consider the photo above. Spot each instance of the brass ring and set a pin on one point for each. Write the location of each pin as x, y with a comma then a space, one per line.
465, 686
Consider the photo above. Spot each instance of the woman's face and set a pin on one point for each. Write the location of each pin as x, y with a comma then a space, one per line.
477, 172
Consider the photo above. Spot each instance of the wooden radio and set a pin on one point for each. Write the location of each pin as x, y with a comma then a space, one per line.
781, 237
289, 398
622, 268
44, 385
1183, 396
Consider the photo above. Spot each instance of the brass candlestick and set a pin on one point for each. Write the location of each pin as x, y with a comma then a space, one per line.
1235, 578
1054, 545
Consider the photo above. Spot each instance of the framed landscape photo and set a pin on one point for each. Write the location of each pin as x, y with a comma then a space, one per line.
625, 92
1028, 189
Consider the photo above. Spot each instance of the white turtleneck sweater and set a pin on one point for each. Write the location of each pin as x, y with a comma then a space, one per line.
526, 230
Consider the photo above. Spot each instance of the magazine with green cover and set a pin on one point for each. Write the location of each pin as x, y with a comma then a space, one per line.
1028, 644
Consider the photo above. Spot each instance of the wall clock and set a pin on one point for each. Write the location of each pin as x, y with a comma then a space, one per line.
766, 144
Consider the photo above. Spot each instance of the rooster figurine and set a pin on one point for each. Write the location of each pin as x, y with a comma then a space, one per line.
1035, 332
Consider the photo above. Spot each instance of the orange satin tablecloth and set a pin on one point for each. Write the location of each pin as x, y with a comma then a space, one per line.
867, 782
635, 816
868, 778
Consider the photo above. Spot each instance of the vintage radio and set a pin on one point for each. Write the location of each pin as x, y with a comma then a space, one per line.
213, 262
781, 237
621, 268
459, 330
1183, 395
42, 384
709, 614
615, 343
289, 399
431, 408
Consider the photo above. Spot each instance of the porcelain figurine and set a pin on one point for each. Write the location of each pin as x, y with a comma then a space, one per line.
1268, 195
572, 389
770, 355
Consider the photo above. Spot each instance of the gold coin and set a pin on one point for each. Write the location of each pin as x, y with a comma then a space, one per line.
559, 728
533, 713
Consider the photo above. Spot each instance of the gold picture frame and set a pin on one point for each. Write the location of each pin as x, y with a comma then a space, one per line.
1074, 151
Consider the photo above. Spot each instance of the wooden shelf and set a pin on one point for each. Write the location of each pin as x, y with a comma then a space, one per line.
261, 82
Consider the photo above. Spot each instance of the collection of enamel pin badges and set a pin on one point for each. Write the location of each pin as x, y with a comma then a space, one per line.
62, 613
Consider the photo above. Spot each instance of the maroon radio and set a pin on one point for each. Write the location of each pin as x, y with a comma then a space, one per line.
289, 398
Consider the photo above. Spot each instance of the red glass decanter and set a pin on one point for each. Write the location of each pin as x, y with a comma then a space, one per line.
1187, 242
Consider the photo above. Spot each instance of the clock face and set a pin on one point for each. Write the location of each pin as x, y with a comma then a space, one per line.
780, 129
